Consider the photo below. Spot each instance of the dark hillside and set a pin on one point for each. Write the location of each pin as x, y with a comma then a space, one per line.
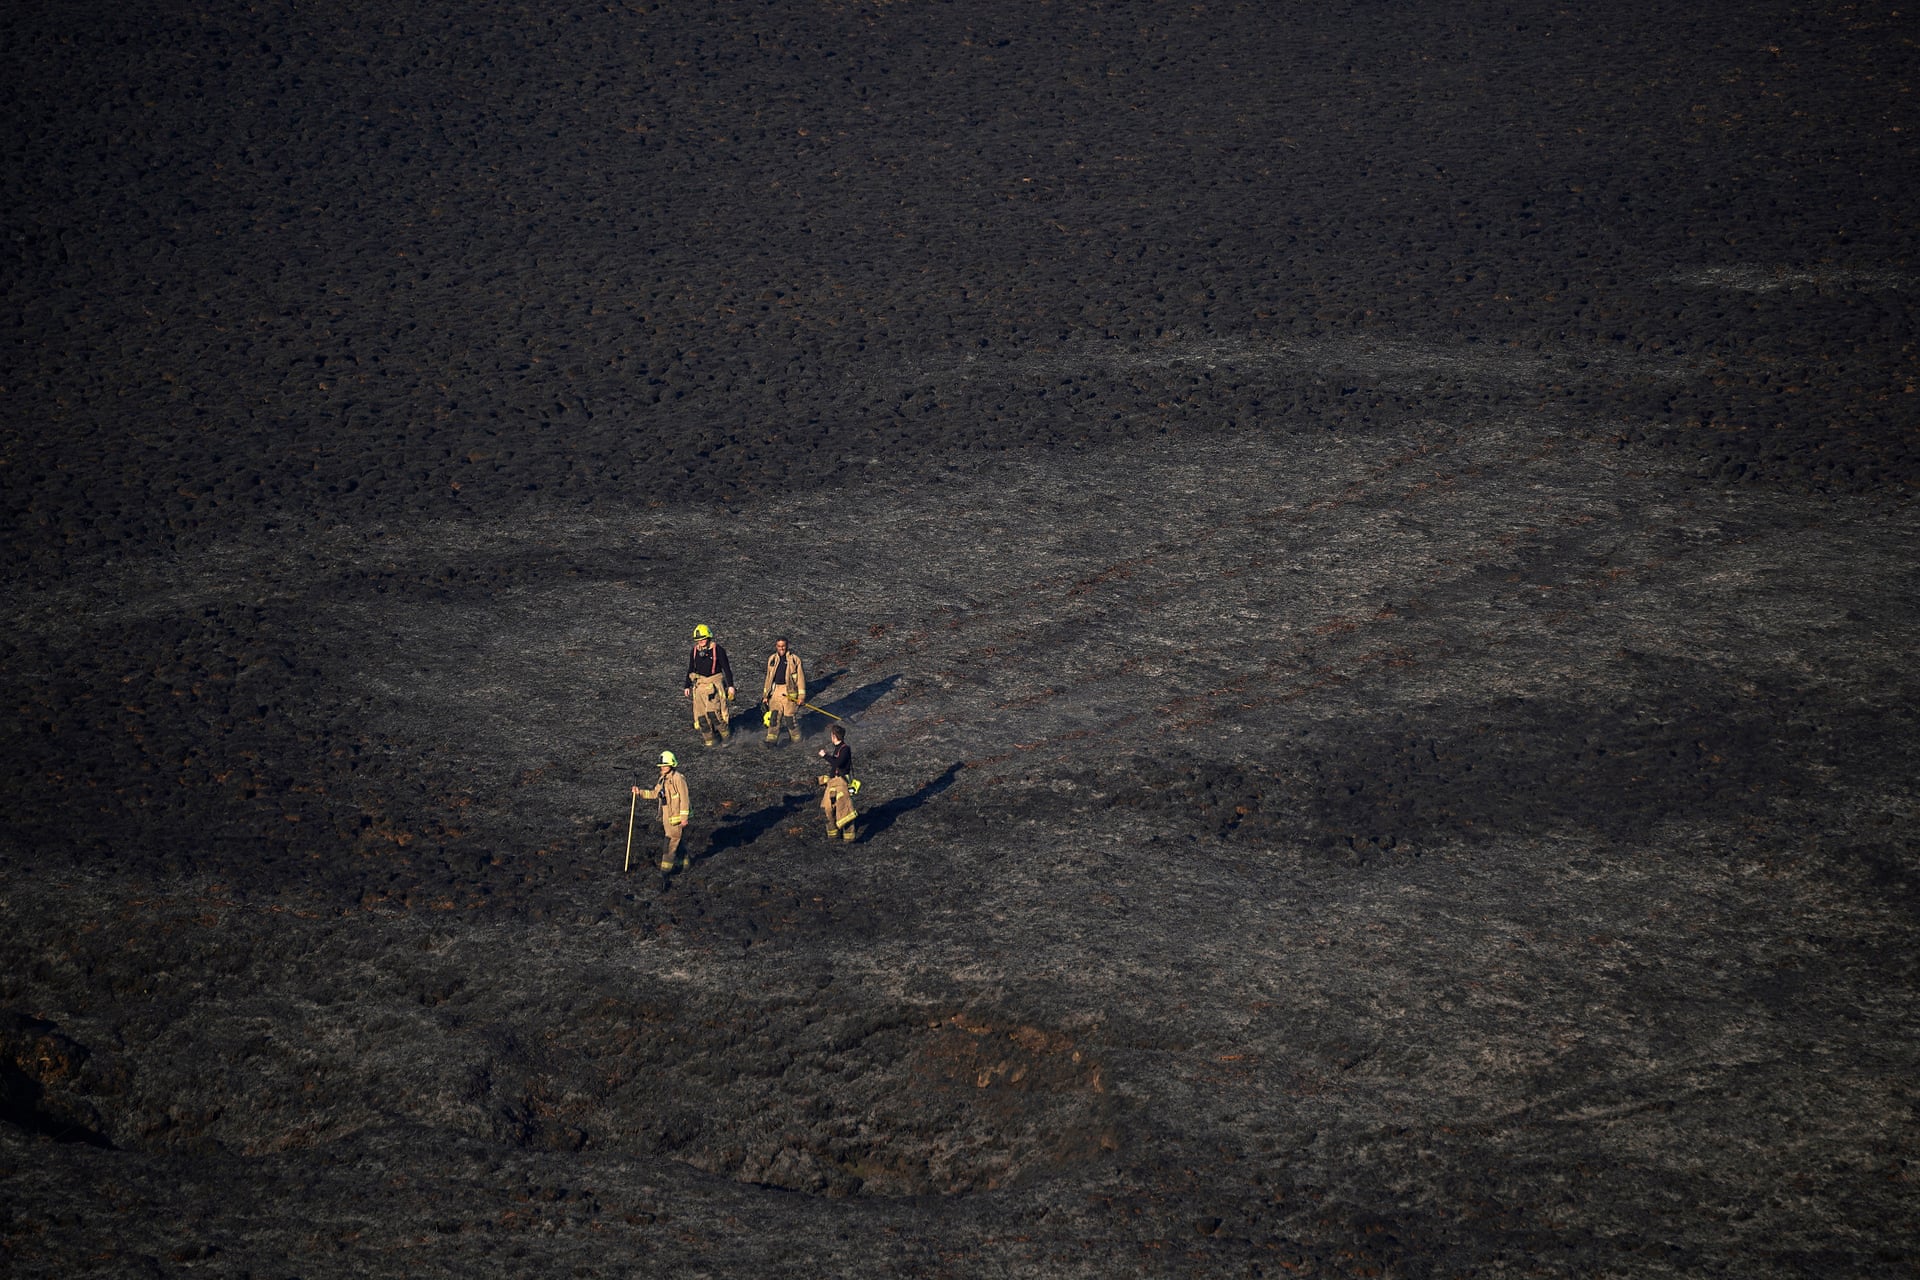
1367, 553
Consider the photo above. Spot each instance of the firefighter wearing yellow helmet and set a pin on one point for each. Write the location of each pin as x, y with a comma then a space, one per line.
783, 692
709, 685
675, 808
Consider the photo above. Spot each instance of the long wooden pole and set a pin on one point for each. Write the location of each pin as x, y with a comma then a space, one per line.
631, 810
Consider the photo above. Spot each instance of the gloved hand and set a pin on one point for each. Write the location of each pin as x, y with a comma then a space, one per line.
853, 785
679, 821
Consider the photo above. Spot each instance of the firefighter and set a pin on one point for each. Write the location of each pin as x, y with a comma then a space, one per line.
671, 791
837, 800
709, 684
784, 691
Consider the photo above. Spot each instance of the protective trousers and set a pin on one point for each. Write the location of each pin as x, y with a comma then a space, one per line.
837, 803
782, 709
710, 706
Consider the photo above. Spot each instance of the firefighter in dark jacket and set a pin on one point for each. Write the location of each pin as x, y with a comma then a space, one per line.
837, 800
709, 684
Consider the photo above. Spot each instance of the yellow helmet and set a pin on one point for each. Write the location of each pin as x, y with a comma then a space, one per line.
703, 632
668, 759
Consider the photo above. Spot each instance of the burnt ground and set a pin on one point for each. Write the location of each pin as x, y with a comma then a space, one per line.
1369, 553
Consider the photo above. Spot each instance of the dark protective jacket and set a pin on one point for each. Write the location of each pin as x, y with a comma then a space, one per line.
840, 761
712, 662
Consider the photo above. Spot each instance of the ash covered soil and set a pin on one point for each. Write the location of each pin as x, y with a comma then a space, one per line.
1368, 553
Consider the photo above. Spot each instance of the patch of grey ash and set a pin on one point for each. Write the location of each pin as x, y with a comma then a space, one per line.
1377, 358
289, 566
1759, 278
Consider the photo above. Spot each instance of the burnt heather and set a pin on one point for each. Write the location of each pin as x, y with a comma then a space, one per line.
1368, 555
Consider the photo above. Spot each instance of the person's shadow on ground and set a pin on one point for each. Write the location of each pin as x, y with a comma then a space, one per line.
851, 705
874, 821
817, 685
742, 830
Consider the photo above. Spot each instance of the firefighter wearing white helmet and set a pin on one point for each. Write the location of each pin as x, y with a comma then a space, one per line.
675, 806
709, 684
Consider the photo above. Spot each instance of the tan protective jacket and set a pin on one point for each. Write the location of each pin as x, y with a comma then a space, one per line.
675, 802
795, 689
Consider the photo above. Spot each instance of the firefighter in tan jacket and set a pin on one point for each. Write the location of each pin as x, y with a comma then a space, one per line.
784, 691
837, 800
675, 804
